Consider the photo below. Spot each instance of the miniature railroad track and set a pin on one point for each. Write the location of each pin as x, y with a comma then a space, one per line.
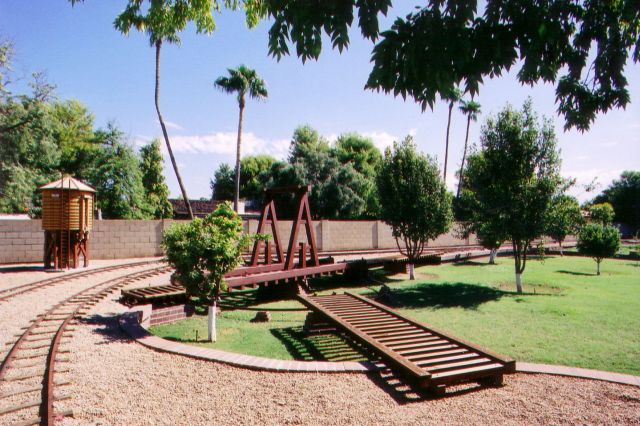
424, 355
8, 293
34, 359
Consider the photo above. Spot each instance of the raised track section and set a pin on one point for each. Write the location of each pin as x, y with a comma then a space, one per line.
428, 357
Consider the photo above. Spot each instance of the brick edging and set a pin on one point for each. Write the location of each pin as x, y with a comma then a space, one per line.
132, 324
582, 373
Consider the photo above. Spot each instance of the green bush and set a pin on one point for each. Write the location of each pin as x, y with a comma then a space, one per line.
202, 251
598, 241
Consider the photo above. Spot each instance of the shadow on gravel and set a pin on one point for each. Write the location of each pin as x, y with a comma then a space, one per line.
106, 326
404, 393
27, 268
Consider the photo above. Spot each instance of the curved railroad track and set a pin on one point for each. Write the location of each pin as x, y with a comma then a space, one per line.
29, 369
8, 293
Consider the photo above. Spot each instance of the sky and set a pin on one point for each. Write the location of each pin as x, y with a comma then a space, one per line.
113, 75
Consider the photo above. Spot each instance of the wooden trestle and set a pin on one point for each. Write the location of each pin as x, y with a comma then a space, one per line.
426, 356
263, 269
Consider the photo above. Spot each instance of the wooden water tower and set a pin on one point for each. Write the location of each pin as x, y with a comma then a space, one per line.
67, 218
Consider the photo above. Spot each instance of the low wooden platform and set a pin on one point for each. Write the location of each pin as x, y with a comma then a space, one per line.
426, 356
238, 279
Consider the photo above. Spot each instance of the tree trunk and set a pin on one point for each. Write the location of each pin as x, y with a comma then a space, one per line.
236, 195
213, 335
412, 269
492, 256
519, 283
464, 155
446, 148
598, 267
166, 135
518, 265
560, 245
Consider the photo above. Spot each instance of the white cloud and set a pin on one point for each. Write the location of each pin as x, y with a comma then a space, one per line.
224, 143
173, 125
381, 139
603, 177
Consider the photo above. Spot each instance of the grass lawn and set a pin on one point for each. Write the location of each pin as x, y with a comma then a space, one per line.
567, 315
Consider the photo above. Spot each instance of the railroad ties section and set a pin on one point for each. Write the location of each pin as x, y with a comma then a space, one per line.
30, 382
425, 356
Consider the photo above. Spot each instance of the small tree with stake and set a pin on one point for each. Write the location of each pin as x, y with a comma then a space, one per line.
414, 199
598, 241
202, 251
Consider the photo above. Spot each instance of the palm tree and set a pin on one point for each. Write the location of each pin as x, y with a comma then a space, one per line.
243, 81
453, 98
471, 109
162, 22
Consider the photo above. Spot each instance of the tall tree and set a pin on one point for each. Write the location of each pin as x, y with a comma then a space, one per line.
449, 43
453, 98
244, 82
306, 141
155, 187
624, 195
117, 179
512, 179
414, 198
471, 109
601, 213
222, 185
253, 171
563, 218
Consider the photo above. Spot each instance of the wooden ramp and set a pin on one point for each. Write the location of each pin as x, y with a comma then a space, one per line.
424, 355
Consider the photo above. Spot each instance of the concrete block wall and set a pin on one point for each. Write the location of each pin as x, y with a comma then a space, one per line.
22, 241
116, 239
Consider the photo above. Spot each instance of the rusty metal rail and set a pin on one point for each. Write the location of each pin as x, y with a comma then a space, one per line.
47, 331
7, 293
426, 356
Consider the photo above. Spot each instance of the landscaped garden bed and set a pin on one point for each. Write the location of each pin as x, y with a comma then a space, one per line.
567, 315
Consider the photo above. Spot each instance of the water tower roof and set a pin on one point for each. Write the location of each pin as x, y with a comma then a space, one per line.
69, 184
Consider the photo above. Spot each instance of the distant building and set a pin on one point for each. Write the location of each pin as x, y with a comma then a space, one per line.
201, 208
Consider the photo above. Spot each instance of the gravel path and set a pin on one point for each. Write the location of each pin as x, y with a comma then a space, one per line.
15, 316
115, 381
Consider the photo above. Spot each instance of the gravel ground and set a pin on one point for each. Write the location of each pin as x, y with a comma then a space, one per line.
116, 381
15, 315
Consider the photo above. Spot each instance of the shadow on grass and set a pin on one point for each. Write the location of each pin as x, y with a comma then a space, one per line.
472, 263
580, 274
318, 347
446, 295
